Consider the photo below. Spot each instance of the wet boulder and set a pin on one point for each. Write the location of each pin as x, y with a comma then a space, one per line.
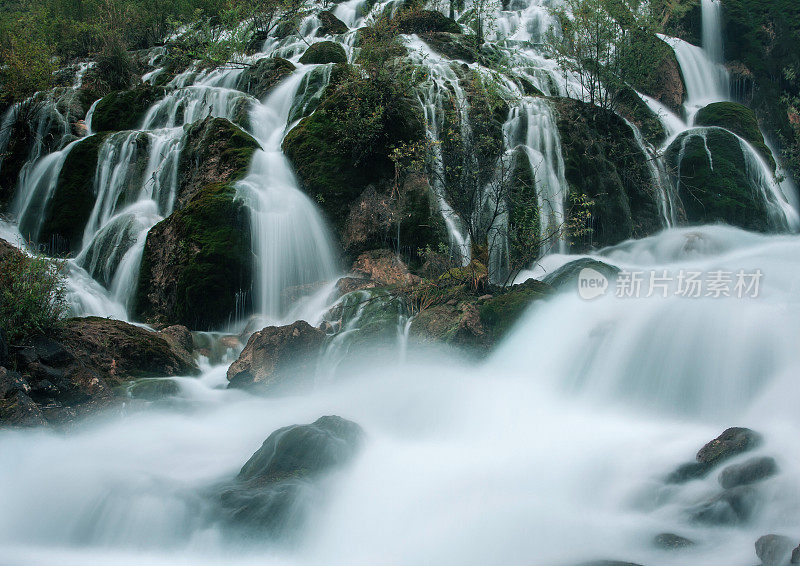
748, 472
774, 550
663, 80
331, 25
738, 119
453, 45
568, 274
277, 355
120, 352
214, 151
258, 79
197, 262
710, 169
125, 110
324, 52
730, 443
274, 491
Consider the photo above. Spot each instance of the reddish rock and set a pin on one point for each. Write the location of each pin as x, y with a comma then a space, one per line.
276, 353
383, 267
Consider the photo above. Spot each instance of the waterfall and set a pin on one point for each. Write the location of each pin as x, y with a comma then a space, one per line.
532, 125
712, 29
291, 242
705, 80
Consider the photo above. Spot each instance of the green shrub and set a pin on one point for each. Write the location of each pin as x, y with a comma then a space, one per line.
32, 295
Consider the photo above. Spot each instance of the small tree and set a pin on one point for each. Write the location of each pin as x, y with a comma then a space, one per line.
605, 45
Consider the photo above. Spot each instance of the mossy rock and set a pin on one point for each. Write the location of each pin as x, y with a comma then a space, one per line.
738, 119
125, 110
258, 79
331, 25
326, 167
71, 205
501, 312
197, 263
424, 21
453, 45
685, 20
604, 163
214, 151
635, 110
152, 389
718, 192
656, 71
324, 52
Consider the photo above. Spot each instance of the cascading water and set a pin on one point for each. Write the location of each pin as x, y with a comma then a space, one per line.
616, 396
292, 245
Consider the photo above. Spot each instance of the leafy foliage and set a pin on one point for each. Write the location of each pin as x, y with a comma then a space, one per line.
32, 295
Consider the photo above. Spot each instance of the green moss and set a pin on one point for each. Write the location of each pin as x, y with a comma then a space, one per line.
500, 313
604, 163
720, 192
330, 172
653, 70
638, 113
524, 221
214, 151
324, 52
197, 261
738, 119
423, 21
260, 78
72, 202
762, 39
124, 110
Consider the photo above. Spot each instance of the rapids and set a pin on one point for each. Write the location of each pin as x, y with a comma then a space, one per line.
552, 451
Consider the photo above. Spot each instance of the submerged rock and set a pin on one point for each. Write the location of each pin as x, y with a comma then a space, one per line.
324, 52
272, 493
730, 443
670, 541
275, 354
774, 550
731, 507
751, 471
567, 274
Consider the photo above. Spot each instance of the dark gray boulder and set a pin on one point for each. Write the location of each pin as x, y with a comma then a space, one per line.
730, 443
271, 494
